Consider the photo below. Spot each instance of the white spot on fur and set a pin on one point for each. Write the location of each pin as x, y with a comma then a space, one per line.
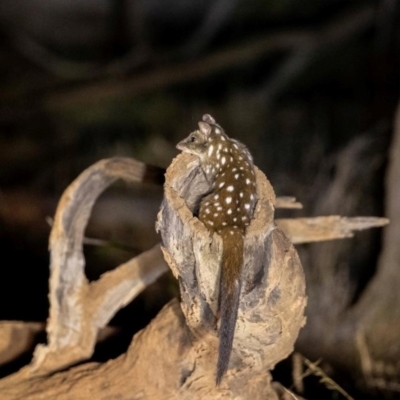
228, 200
229, 188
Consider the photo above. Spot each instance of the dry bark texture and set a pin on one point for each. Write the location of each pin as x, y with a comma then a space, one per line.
79, 309
175, 356
16, 338
317, 229
273, 294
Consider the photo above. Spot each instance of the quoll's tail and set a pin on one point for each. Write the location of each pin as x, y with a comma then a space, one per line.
230, 283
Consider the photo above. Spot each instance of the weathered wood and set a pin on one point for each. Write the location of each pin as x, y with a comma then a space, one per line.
175, 356
318, 229
78, 309
17, 337
273, 295
287, 202
20, 337
162, 362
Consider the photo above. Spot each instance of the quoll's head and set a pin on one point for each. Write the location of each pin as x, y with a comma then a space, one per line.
198, 141
195, 143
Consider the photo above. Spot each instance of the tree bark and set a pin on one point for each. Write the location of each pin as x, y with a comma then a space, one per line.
175, 356
273, 294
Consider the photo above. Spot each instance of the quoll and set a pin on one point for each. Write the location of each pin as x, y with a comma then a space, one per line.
226, 210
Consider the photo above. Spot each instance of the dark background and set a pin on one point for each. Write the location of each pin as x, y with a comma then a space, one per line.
309, 86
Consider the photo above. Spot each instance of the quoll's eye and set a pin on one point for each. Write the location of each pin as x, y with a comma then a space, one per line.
193, 139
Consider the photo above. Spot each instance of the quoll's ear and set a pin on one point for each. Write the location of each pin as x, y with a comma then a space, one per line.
208, 118
204, 128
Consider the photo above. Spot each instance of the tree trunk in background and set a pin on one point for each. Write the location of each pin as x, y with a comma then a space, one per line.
367, 333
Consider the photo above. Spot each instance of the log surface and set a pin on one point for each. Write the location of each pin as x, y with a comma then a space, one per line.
273, 292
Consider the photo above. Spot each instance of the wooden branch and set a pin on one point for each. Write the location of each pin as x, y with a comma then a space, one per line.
20, 337
318, 229
175, 356
79, 309
273, 294
287, 202
162, 362
16, 338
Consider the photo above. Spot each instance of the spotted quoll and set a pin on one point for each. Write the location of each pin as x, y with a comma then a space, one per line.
226, 210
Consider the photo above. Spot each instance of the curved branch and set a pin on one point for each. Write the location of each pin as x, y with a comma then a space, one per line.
79, 309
